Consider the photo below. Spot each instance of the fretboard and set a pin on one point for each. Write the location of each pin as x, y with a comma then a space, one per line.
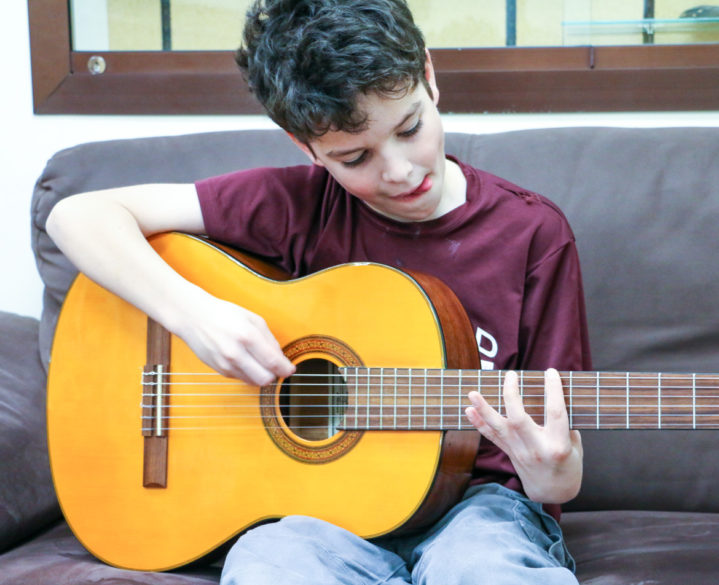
435, 399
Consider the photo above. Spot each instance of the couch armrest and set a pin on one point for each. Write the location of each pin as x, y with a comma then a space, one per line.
27, 497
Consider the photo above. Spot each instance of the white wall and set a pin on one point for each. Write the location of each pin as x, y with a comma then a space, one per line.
28, 141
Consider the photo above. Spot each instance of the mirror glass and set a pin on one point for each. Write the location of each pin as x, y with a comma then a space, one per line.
207, 25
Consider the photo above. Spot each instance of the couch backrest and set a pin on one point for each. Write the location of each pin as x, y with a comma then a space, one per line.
644, 205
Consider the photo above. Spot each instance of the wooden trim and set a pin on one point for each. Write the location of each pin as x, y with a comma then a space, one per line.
548, 79
579, 79
49, 48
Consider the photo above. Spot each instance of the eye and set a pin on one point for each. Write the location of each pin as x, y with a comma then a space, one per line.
413, 130
356, 161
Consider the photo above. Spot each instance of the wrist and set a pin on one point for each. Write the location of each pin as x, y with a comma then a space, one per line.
179, 307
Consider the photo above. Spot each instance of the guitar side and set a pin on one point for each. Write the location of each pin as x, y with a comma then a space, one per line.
224, 478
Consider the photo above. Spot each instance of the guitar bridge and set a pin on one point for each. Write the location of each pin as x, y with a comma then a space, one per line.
155, 406
154, 401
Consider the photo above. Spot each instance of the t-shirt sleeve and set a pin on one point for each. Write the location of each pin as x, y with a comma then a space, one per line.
266, 211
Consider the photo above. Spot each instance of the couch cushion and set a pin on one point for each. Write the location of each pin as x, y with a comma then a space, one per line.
27, 497
611, 548
57, 557
631, 548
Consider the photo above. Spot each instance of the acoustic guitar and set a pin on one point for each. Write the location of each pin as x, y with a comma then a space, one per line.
158, 461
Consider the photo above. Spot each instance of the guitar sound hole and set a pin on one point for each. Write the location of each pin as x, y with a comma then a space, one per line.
313, 400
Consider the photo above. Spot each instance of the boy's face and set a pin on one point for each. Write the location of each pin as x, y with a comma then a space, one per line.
397, 164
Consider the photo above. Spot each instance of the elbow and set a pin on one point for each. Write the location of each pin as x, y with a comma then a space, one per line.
58, 219
72, 218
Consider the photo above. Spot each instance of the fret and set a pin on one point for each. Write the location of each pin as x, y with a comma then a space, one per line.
409, 399
369, 395
424, 425
381, 400
356, 394
395, 398
571, 400
627, 389
597, 403
441, 399
659, 400
694, 401
459, 399
499, 392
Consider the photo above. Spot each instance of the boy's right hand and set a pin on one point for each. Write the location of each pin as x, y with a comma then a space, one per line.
233, 341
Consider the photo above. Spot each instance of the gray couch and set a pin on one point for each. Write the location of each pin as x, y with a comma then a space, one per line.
644, 204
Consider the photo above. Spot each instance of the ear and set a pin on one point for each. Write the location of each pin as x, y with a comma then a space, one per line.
306, 148
429, 76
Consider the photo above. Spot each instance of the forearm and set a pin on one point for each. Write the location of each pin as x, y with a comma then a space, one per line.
105, 241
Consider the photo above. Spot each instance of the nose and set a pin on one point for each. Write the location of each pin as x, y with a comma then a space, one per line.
396, 167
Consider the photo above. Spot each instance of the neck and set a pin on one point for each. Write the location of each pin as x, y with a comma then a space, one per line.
454, 192
435, 399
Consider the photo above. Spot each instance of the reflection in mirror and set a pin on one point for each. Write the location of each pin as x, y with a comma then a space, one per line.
201, 25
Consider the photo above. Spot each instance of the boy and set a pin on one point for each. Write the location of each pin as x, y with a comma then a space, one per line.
353, 85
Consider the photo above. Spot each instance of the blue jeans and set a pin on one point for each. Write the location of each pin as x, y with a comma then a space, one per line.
494, 536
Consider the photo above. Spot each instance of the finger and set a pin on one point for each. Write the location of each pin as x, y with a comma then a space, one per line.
257, 375
482, 426
576, 439
485, 410
270, 357
266, 350
240, 364
556, 419
266, 368
512, 398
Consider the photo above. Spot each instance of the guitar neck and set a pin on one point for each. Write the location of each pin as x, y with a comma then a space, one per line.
435, 399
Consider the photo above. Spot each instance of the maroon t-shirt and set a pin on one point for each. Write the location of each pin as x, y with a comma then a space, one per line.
507, 253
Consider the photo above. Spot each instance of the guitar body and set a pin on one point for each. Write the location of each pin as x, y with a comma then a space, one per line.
243, 463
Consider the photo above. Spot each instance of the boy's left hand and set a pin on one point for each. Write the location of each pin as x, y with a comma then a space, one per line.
548, 459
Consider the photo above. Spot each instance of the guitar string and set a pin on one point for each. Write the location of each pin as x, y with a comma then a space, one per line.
364, 382
462, 425
443, 381
468, 427
445, 385
686, 412
432, 400
362, 388
489, 375
466, 374
310, 389
403, 423
640, 393
698, 383
388, 416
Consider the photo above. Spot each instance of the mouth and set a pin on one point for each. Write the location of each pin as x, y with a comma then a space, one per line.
423, 187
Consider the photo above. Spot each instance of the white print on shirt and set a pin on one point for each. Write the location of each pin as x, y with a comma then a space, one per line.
485, 352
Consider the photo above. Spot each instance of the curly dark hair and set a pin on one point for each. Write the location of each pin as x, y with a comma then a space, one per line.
308, 61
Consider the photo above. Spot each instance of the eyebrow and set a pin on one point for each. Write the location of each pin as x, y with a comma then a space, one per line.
340, 153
